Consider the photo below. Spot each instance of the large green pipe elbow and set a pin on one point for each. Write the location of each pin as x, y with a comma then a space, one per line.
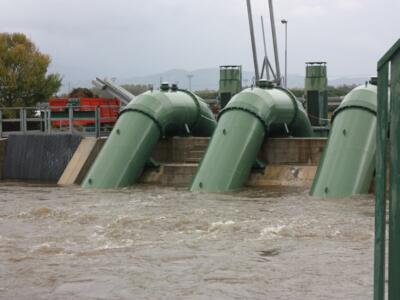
142, 123
241, 130
348, 162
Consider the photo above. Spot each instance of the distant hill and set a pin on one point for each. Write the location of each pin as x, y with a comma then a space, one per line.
202, 79
209, 78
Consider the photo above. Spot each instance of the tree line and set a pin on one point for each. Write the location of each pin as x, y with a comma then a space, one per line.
333, 91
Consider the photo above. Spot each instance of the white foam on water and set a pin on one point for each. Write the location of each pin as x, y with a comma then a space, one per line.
216, 225
272, 231
109, 245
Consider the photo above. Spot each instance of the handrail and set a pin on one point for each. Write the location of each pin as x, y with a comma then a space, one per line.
389, 55
51, 123
58, 107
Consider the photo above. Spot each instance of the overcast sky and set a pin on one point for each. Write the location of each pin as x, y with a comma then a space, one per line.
125, 38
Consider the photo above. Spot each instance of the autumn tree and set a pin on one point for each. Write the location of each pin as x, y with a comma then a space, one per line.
81, 92
23, 72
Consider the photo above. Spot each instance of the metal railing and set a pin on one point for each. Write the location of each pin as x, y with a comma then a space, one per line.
388, 162
83, 120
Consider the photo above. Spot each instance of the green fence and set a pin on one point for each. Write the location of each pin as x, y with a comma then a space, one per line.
388, 187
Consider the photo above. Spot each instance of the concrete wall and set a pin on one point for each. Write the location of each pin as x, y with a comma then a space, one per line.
305, 151
38, 157
290, 161
274, 150
181, 150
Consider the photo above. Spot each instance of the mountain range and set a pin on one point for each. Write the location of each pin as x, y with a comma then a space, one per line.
204, 79
208, 79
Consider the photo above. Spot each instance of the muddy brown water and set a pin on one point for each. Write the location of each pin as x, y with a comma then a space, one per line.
166, 243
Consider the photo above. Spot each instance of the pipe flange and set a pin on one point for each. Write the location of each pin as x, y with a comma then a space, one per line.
159, 126
340, 109
258, 116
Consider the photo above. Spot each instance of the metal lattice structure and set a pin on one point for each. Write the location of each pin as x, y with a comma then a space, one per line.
388, 162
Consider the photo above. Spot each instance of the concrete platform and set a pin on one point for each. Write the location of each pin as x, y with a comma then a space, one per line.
274, 175
290, 162
304, 151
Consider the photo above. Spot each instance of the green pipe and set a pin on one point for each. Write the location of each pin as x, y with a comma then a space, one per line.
348, 161
142, 123
241, 130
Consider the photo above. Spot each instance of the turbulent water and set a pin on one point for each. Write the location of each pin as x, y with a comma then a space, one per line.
165, 243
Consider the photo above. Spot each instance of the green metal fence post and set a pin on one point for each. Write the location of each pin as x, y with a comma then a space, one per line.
21, 120
43, 113
394, 210
1, 124
48, 111
380, 203
70, 119
390, 59
97, 121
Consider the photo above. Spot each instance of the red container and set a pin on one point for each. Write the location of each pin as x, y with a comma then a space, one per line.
84, 110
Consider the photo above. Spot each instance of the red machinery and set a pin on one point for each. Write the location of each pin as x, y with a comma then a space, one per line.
84, 111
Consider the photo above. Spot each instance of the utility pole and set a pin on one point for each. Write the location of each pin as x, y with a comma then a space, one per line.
285, 22
190, 76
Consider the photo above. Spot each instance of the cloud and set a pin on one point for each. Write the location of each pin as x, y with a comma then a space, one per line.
135, 37
348, 5
308, 11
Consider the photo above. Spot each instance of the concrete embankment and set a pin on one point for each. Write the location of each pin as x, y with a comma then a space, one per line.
81, 161
290, 161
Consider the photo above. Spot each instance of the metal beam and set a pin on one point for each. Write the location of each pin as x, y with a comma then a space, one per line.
380, 183
389, 55
114, 90
268, 64
274, 40
394, 209
253, 40
388, 163
265, 50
